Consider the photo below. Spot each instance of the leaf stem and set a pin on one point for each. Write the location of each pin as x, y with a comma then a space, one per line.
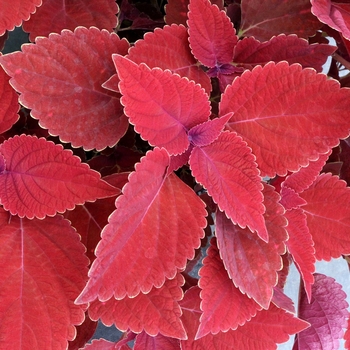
341, 60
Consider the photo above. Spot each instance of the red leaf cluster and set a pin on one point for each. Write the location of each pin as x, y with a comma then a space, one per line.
162, 176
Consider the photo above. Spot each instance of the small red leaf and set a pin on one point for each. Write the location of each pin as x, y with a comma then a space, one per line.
13, 13
290, 199
282, 301
224, 306
43, 268
136, 251
156, 312
162, 106
227, 169
301, 246
336, 14
250, 52
329, 306
53, 16
273, 114
206, 133
103, 344
303, 178
264, 19
9, 106
212, 36
251, 263
41, 178
60, 79
144, 342
168, 48
328, 219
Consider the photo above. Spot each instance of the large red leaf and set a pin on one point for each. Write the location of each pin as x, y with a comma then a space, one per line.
212, 36
327, 313
168, 48
224, 306
301, 247
43, 268
328, 216
262, 332
8, 103
336, 14
60, 79
162, 106
13, 13
144, 342
157, 226
250, 52
251, 263
227, 169
39, 178
264, 19
156, 312
53, 16
274, 114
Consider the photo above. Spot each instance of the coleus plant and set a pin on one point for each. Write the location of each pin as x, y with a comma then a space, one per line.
146, 147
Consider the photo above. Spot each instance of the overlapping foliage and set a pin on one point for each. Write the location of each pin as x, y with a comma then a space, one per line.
140, 142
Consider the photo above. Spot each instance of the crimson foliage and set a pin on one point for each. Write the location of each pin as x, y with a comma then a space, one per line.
141, 142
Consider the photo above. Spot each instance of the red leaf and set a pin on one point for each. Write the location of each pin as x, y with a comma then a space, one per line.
282, 301
328, 218
251, 263
250, 52
302, 179
43, 268
145, 342
329, 304
290, 199
227, 169
136, 251
262, 332
176, 10
206, 133
103, 344
161, 105
347, 335
168, 48
155, 312
39, 178
60, 79
264, 19
90, 218
13, 13
224, 306
301, 247
180, 160
212, 36
53, 16
273, 114
8, 103
333, 13
85, 332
